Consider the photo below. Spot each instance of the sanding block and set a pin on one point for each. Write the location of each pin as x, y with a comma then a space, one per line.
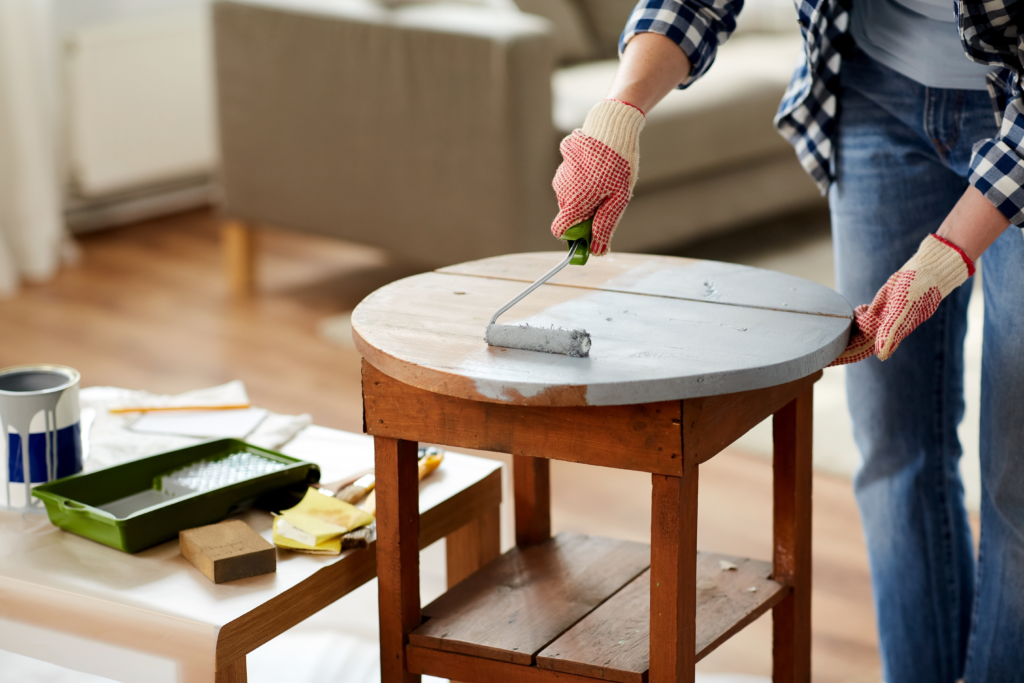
227, 551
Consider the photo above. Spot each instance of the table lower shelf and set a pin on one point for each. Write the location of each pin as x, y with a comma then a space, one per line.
579, 606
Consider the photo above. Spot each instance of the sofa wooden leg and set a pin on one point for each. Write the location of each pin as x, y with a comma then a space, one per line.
238, 243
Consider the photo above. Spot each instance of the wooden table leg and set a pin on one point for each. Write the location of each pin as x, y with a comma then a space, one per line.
238, 244
531, 481
398, 555
474, 545
674, 577
234, 672
791, 618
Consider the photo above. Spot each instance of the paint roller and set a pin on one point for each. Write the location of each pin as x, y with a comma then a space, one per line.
552, 339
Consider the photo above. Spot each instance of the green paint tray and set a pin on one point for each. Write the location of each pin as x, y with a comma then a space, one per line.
144, 502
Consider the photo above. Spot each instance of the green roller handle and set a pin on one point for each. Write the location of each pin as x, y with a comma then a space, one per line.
579, 234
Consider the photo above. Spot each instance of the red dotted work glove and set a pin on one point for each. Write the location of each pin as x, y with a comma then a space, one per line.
907, 299
598, 171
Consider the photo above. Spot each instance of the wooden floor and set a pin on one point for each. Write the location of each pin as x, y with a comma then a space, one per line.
147, 308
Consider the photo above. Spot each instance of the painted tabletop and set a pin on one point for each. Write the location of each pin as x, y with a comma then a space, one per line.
663, 328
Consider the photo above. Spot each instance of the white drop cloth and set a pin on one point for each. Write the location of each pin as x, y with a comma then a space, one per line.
111, 443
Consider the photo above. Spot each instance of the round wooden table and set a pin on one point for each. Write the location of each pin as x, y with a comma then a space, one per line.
687, 356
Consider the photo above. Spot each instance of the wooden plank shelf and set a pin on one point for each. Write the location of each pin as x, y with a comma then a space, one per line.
513, 607
612, 643
577, 608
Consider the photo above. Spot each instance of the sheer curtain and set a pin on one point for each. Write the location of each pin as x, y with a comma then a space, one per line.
32, 232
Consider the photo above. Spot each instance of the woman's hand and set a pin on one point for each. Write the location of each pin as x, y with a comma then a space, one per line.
942, 263
600, 161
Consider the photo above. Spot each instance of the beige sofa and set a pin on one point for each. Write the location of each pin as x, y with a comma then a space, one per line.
432, 129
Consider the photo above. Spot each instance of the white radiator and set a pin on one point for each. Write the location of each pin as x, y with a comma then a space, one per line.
139, 103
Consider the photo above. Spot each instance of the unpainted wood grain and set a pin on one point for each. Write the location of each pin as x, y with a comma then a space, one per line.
791, 619
477, 669
670, 277
531, 482
478, 504
473, 546
617, 271
673, 577
398, 555
634, 437
512, 608
427, 331
235, 672
613, 642
711, 423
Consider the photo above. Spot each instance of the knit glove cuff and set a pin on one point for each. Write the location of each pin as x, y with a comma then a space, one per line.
617, 125
938, 263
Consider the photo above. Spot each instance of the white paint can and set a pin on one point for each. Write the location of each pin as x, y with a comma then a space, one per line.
40, 425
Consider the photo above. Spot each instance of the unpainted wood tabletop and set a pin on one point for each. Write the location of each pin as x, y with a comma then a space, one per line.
663, 328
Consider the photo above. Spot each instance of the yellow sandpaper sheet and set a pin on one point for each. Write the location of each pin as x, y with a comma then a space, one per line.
329, 547
307, 528
322, 517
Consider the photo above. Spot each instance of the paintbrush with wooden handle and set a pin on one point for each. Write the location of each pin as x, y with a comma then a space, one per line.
357, 490
332, 487
427, 464
354, 488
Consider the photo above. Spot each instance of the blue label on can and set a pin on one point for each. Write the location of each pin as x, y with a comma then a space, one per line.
69, 455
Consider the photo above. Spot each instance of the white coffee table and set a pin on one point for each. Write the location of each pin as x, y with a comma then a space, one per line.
153, 617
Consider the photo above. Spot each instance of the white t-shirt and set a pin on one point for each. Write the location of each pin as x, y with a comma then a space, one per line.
917, 38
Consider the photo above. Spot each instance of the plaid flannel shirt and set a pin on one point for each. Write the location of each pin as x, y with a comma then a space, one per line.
807, 116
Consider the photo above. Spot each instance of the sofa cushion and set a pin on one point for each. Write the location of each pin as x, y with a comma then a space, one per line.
608, 18
722, 120
573, 39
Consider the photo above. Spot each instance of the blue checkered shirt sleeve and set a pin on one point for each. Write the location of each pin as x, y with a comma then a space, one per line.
997, 166
989, 34
697, 26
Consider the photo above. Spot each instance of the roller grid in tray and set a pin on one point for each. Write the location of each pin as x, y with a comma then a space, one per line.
138, 504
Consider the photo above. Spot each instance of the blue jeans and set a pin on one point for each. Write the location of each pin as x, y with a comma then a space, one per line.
901, 165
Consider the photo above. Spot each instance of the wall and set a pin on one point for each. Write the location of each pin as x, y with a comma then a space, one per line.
136, 90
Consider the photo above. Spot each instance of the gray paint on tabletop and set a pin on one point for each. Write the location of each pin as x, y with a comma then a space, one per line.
662, 329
